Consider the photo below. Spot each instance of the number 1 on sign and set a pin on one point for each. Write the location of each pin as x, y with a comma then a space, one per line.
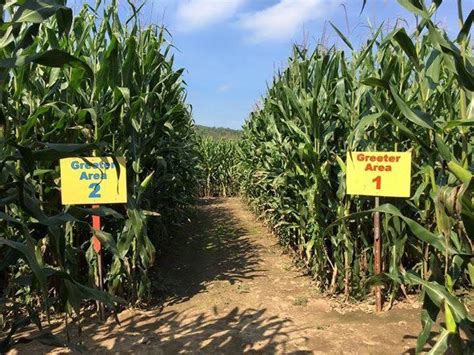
378, 182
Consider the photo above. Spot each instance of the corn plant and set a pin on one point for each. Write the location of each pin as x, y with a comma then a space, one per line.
399, 92
74, 87
218, 167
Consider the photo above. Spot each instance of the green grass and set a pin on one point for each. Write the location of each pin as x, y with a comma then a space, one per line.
300, 301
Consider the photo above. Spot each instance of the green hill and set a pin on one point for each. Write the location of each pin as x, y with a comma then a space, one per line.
219, 132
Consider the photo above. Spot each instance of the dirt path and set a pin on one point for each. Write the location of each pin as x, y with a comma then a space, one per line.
230, 288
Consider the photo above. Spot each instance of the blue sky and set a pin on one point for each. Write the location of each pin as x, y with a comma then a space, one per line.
231, 48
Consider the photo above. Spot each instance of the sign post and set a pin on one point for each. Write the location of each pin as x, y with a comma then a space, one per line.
94, 181
377, 256
378, 174
98, 250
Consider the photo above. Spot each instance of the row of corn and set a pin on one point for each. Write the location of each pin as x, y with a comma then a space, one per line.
218, 167
400, 92
76, 86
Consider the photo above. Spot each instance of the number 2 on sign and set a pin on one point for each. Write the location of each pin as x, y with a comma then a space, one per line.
378, 182
95, 191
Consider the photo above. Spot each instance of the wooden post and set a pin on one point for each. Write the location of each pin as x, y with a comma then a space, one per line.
98, 249
377, 256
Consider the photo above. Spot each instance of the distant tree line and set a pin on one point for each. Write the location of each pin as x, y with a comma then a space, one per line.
219, 132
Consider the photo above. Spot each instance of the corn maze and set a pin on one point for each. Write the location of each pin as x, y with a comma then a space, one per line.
71, 86
219, 167
96, 84
401, 92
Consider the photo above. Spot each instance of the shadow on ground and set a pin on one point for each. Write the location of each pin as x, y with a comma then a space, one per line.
213, 246
218, 299
171, 332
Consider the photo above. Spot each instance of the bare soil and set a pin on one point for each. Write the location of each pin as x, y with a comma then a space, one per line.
226, 286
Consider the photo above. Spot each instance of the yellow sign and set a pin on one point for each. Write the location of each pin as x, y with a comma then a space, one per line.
93, 181
379, 174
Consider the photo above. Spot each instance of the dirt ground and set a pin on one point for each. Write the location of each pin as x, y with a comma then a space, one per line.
230, 288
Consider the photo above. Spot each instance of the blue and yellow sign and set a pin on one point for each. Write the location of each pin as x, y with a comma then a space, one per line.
93, 181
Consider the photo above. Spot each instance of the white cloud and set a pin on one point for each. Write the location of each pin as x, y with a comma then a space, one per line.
224, 88
194, 14
282, 20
